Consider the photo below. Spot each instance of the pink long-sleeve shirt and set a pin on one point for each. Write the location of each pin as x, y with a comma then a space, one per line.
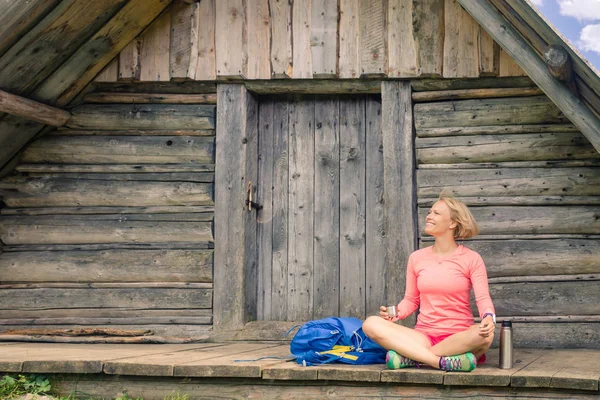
441, 287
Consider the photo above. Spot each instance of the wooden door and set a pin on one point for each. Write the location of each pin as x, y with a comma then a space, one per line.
321, 229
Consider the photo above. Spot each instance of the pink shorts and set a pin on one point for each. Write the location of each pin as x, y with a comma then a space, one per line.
436, 338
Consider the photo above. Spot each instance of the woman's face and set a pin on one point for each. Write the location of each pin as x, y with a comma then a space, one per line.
438, 221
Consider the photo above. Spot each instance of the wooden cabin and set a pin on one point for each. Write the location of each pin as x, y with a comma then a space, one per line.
223, 169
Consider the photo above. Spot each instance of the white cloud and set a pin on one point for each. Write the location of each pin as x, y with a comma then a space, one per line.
538, 3
589, 38
580, 9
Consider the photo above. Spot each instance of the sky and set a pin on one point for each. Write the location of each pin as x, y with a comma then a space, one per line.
578, 21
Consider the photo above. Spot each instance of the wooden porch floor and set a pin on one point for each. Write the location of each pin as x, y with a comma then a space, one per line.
574, 370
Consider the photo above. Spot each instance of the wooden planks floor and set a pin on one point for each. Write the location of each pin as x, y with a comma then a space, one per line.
550, 369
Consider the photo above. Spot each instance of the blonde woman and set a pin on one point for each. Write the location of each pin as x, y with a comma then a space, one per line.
439, 281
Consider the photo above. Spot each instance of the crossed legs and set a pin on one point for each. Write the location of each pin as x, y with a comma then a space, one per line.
416, 346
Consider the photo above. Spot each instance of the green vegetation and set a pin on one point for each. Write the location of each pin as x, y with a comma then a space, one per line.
14, 386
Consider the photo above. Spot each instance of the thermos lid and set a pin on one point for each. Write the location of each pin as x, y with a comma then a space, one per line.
506, 324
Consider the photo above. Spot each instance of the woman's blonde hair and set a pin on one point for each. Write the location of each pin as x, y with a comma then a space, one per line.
466, 226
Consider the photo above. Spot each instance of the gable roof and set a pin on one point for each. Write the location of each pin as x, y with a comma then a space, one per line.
50, 50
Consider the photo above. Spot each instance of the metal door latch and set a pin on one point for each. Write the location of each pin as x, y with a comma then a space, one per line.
249, 201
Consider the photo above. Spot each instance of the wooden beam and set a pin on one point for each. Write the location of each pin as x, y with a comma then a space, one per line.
236, 168
399, 185
520, 50
22, 107
438, 95
559, 64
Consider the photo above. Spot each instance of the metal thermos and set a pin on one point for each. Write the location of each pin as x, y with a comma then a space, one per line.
506, 345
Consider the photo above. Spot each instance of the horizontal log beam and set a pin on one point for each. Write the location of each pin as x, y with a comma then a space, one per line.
32, 110
438, 95
156, 98
494, 130
114, 168
518, 48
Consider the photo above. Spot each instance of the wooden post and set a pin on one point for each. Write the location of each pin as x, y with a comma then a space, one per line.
559, 64
32, 110
235, 271
400, 201
514, 44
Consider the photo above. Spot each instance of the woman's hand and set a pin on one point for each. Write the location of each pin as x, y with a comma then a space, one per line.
384, 314
486, 328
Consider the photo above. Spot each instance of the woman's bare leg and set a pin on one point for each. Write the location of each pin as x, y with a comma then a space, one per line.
462, 342
403, 340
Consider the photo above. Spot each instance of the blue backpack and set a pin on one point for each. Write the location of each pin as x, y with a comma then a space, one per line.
335, 340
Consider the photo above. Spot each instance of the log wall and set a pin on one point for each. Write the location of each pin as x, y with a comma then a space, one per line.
305, 39
533, 184
109, 221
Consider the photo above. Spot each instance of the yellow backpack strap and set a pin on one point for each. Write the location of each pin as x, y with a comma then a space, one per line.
340, 351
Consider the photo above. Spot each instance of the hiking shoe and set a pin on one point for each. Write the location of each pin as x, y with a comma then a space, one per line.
463, 362
394, 360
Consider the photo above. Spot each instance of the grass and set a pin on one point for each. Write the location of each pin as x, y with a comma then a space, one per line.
14, 386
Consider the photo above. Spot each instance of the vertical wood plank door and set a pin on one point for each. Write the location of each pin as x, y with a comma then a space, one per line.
321, 248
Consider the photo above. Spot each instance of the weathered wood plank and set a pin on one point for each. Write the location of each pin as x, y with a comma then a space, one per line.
103, 285
352, 373
474, 94
352, 208
106, 386
583, 375
327, 208
301, 26
93, 316
314, 86
13, 139
501, 148
258, 25
161, 334
461, 44
546, 298
428, 28
510, 182
227, 366
174, 87
489, 374
376, 224
149, 298
236, 173
121, 149
110, 73
281, 184
519, 110
265, 216
402, 49
399, 191
301, 206
74, 74
206, 64
231, 40
33, 110
420, 85
508, 66
82, 192
372, 38
414, 376
348, 61
281, 38
147, 116
108, 266
114, 168
535, 220
129, 61
495, 130
142, 98
94, 229
156, 40
323, 38
289, 371
520, 200
489, 54
183, 49
17, 18
76, 20
111, 246
132, 132
105, 210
